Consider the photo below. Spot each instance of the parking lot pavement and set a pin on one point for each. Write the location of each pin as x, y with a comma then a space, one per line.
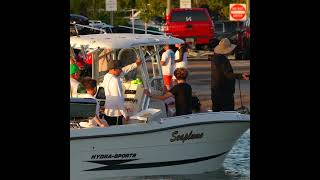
201, 55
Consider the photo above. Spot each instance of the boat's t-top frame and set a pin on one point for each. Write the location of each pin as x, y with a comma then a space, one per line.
127, 48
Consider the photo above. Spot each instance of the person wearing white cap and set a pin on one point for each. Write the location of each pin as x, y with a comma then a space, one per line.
223, 77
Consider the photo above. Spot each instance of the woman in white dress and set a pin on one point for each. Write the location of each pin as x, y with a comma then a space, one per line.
181, 58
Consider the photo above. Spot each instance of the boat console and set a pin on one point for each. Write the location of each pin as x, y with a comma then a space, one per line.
133, 97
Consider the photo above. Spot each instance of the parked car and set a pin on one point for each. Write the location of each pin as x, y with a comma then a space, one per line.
242, 40
194, 25
238, 33
225, 28
100, 25
128, 29
246, 41
78, 19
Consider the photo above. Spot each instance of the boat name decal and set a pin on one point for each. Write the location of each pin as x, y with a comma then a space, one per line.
109, 156
183, 137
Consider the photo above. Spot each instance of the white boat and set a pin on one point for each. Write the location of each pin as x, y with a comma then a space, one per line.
152, 143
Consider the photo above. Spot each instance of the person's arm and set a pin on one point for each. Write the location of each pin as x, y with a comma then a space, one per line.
100, 122
231, 75
227, 69
165, 96
164, 58
178, 57
130, 67
97, 119
72, 61
242, 76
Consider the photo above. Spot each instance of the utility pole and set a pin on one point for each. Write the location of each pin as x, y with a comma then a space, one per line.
94, 9
168, 7
132, 12
248, 7
111, 18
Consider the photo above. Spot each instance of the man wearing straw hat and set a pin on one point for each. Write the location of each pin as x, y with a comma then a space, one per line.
223, 77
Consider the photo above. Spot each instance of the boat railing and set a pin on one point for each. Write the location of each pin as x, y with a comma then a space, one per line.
86, 26
142, 30
156, 84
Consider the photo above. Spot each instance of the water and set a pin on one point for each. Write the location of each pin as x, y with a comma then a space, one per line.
236, 166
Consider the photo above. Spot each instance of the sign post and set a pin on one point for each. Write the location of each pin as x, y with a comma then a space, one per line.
185, 3
111, 5
238, 12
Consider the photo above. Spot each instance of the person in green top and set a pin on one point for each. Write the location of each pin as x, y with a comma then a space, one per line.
75, 85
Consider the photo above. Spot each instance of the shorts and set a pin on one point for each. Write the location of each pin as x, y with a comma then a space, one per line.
167, 80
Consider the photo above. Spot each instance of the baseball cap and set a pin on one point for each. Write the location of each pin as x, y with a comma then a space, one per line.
74, 69
114, 64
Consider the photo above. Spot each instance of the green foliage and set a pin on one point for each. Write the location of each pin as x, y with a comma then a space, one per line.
95, 9
151, 8
221, 7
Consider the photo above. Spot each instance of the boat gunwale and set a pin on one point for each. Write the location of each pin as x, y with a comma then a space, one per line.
157, 130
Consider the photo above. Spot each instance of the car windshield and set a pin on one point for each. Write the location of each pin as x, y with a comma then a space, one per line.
247, 23
184, 16
231, 26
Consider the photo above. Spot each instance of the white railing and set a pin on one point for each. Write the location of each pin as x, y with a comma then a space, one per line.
85, 26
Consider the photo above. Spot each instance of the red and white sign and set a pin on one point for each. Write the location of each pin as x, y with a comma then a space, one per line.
238, 12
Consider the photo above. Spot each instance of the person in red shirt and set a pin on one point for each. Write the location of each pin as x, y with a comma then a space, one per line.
84, 62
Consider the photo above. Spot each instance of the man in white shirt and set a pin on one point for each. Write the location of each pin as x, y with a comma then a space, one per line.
114, 107
167, 62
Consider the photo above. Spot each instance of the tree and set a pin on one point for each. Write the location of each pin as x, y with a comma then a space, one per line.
221, 7
95, 9
150, 9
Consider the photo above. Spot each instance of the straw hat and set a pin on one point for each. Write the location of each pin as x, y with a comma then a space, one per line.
224, 47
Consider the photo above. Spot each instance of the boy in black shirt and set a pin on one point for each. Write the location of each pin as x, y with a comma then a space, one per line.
182, 93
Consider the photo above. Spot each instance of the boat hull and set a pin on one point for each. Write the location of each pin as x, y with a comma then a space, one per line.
165, 150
